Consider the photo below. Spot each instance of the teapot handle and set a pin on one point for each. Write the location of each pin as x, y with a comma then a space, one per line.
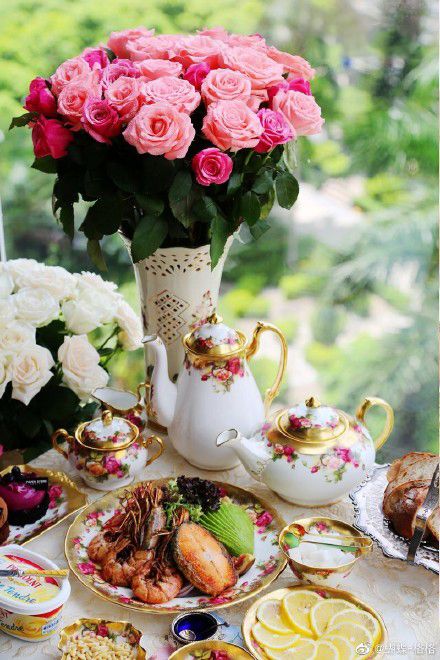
63, 433
146, 442
253, 347
368, 403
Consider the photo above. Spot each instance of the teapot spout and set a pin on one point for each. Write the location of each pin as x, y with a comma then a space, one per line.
252, 453
163, 391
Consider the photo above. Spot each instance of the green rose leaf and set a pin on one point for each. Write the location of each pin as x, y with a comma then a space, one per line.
182, 196
157, 173
67, 220
205, 208
47, 164
95, 253
259, 229
124, 174
287, 189
22, 120
263, 183
148, 236
250, 208
219, 235
290, 156
59, 403
103, 218
152, 205
234, 183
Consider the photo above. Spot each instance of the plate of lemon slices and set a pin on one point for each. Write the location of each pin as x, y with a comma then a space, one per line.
313, 623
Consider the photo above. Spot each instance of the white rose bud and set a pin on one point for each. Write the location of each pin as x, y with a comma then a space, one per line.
7, 311
15, 337
80, 363
54, 279
21, 270
35, 306
6, 283
130, 324
31, 370
5, 374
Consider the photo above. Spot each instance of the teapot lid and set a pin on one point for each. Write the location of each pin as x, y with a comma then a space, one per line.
214, 339
310, 426
107, 433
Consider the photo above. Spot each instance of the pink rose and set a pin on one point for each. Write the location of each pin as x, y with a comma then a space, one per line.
314, 469
118, 40
40, 99
55, 492
264, 520
196, 49
276, 130
300, 85
152, 69
234, 364
221, 374
161, 47
255, 41
100, 120
102, 630
262, 70
70, 70
272, 91
213, 166
300, 110
50, 138
231, 125
160, 129
196, 73
175, 91
218, 33
257, 97
117, 69
294, 65
225, 85
124, 96
111, 464
86, 568
95, 57
72, 99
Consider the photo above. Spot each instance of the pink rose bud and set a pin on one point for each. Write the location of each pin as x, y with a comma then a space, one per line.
100, 120
50, 138
196, 73
276, 130
212, 166
119, 68
40, 99
284, 86
300, 85
96, 58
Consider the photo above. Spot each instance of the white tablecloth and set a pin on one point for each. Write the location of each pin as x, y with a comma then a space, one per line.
406, 596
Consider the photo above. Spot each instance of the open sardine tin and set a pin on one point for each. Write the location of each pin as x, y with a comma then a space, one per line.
30, 606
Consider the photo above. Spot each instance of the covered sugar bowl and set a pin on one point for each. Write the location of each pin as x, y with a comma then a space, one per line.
107, 451
311, 454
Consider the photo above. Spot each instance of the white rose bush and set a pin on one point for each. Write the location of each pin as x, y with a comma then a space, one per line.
58, 333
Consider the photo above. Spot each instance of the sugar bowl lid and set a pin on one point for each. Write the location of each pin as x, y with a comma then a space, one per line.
107, 433
215, 339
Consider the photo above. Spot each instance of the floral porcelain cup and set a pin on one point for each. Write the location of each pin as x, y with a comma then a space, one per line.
311, 454
325, 528
108, 451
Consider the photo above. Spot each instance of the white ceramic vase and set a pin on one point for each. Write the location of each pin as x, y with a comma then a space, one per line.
177, 290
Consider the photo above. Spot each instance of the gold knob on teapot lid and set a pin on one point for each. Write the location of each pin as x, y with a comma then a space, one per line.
313, 402
107, 417
213, 339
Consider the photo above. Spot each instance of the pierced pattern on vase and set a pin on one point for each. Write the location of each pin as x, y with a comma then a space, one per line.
169, 263
169, 310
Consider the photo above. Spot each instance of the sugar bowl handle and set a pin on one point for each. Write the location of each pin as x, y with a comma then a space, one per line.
63, 434
253, 347
368, 403
147, 442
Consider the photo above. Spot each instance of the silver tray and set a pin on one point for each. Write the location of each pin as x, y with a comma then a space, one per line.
367, 500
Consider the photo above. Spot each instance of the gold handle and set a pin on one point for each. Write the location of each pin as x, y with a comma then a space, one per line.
60, 572
147, 403
368, 403
253, 347
147, 442
63, 433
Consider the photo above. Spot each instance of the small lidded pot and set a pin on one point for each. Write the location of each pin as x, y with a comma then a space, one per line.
107, 451
323, 551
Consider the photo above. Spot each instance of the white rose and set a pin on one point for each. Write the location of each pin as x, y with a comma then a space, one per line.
5, 374
21, 270
54, 279
130, 324
6, 282
7, 311
80, 363
81, 316
100, 294
35, 306
15, 337
30, 372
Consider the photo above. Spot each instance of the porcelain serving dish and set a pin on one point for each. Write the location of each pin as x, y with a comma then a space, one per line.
119, 631
201, 650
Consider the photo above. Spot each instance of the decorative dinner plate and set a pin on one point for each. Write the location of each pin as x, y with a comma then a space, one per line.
198, 650
64, 499
117, 631
269, 559
369, 518
325, 592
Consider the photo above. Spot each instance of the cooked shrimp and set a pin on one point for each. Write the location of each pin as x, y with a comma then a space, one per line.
157, 590
122, 562
100, 546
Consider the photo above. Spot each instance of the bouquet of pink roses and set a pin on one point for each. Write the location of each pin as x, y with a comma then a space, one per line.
174, 139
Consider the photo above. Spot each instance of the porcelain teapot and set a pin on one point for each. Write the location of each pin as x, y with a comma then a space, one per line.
108, 451
311, 454
215, 388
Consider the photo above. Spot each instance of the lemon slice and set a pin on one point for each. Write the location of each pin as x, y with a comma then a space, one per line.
324, 611
305, 649
357, 616
325, 650
271, 640
354, 633
345, 649
296, 606
270, 615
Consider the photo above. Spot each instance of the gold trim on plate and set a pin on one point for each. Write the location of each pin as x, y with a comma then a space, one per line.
234, 652
235, 492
